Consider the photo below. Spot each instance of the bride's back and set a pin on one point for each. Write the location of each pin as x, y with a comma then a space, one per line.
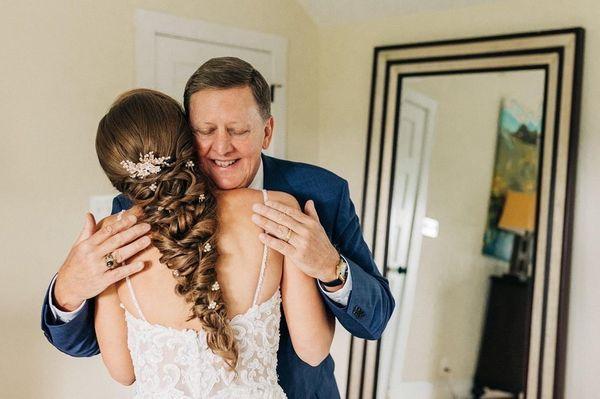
238, 266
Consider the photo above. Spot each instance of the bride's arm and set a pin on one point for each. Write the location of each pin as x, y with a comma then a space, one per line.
111, 332
310, 323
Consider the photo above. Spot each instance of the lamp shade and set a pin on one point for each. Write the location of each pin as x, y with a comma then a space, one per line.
518, 214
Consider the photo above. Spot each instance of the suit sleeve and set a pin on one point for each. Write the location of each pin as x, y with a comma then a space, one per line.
371, 303
77, 337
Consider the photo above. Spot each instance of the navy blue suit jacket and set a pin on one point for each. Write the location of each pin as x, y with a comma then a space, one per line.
369, 307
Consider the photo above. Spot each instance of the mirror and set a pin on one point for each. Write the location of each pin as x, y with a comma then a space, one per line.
467, 208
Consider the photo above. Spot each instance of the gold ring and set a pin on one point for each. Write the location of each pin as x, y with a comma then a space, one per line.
288, 236
110, 262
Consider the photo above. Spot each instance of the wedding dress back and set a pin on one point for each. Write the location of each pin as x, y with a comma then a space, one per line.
178, 364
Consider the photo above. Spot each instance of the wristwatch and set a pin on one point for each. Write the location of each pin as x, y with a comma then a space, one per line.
341, 271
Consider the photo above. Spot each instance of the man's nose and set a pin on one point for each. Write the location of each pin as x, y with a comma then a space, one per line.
222, 143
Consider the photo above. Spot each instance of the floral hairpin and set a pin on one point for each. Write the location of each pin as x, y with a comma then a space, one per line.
189, 164
212, 305
207, 247
148, 165
215, 286
201, 197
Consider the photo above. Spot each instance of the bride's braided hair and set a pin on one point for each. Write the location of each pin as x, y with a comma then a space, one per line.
178, 202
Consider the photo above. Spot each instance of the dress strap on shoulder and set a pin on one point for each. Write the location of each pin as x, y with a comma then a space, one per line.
134, 299
263, 264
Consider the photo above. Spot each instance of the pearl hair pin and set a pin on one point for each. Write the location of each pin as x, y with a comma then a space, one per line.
148, 165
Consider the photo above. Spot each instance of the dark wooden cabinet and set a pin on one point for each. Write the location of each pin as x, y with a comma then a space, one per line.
503, 354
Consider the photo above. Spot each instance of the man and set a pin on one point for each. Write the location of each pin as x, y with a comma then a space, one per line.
228, 105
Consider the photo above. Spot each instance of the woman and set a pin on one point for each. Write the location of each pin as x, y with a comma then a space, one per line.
194, 324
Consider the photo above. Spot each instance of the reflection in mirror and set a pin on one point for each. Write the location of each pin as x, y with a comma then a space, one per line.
461, 238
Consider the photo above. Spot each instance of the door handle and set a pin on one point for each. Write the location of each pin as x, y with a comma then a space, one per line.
399, 269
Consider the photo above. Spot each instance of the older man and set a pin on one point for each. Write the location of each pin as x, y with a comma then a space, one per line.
228, 104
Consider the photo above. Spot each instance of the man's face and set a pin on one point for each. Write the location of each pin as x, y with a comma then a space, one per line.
229, 134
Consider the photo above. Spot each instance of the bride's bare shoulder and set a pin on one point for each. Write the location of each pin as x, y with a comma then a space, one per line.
244, 198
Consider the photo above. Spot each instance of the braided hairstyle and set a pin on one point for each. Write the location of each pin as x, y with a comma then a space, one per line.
178, 201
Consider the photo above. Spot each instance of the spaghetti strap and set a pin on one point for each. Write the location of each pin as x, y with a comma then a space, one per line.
134, 299
263, 264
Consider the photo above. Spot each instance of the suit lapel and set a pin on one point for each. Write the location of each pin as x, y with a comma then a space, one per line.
274, 178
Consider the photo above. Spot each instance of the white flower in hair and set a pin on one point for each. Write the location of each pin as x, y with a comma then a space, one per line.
215, 286
153, 187
148, 165
207, 247
201, 197
189, 164
212, 305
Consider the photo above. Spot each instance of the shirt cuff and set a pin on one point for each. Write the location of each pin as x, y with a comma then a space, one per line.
342, 295
58, 314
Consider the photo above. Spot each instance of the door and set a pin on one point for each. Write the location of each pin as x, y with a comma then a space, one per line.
169, 49
407, 219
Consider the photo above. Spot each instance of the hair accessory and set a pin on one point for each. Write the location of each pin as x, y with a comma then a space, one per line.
215, 286
160, 208
201, 197
212, 305
189, 164
175, 273
153, 187
148, 165
207, 247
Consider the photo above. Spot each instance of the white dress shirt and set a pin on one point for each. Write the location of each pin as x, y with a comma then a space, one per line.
340, 296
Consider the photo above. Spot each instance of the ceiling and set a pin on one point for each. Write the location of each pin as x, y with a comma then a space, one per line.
333, 12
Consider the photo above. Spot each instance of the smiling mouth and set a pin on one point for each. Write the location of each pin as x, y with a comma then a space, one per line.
224, 164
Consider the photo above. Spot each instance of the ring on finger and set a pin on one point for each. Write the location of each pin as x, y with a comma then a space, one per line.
288, 235
110, 261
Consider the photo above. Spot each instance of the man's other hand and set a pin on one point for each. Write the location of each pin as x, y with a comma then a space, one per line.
84, 274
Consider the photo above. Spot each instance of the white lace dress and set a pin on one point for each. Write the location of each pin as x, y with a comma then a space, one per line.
177, 364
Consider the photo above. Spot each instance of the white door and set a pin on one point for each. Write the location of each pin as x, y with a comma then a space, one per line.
413, 148
169, 49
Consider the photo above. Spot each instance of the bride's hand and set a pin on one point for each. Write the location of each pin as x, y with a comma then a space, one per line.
85, 272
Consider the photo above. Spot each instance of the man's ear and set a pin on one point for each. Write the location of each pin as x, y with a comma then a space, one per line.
269, 127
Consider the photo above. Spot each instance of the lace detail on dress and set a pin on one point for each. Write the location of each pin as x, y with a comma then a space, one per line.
178, 364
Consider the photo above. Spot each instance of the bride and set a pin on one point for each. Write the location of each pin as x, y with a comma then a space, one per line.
201, 320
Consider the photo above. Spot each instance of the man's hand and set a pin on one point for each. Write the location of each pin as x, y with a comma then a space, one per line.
84, 273
298, 235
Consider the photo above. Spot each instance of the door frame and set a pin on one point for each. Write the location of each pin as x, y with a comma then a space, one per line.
150, 24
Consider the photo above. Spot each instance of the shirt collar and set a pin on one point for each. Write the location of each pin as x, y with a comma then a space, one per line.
259, 178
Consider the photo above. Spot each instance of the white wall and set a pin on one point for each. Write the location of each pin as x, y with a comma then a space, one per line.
62, 64
345, 60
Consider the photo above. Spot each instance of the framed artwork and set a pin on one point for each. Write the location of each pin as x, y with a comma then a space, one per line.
516, 169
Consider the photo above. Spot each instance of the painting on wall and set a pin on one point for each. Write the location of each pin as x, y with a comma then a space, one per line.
516, 169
